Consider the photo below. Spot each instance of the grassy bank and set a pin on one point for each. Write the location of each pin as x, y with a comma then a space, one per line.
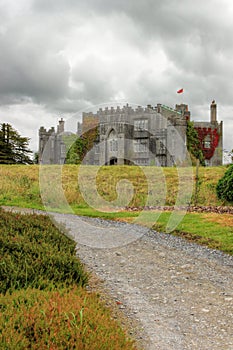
42, 300
209, 229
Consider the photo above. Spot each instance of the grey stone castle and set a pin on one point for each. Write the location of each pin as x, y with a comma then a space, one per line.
142, 136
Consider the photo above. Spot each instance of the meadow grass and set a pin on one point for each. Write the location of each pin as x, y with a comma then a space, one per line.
210, 229
20, 184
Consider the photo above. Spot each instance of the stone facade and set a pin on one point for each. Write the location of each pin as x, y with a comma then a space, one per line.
142, 136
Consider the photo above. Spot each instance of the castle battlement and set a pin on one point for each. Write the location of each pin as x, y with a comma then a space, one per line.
126, 110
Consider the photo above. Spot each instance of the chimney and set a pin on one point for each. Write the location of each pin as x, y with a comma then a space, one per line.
61, 126
213, 112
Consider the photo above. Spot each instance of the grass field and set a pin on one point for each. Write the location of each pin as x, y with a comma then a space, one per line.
62, 190
20, 184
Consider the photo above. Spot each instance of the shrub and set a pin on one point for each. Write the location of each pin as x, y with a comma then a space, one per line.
224, 186
35, 253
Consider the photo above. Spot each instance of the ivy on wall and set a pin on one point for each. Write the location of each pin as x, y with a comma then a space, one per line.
193, 144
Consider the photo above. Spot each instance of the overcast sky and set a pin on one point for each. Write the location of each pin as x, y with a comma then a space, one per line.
60, 57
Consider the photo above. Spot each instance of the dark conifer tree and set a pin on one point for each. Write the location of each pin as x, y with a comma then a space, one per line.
13, 147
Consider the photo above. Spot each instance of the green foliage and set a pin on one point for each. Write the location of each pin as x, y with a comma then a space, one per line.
193, 144
76, 151
79, 146
34, 253
13, 147
224, 186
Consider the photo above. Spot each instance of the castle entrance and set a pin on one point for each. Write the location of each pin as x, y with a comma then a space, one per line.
113, 161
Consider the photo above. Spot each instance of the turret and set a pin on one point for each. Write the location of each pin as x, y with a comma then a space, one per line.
61, 126
213, 112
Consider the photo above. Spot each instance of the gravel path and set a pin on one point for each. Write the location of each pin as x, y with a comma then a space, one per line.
179, 293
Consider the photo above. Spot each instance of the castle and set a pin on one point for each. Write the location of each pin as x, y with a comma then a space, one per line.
142, 136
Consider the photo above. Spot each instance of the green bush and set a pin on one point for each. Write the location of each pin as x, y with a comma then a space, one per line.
35, 253
224, 186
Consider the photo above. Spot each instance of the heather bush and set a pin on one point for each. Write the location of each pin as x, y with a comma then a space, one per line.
61, 319
35, 253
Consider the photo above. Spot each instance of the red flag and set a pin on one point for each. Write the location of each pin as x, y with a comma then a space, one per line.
180, 91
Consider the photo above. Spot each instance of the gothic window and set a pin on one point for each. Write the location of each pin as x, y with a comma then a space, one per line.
113, 143
141, 124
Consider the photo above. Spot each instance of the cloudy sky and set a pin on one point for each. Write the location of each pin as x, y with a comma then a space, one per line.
60, 57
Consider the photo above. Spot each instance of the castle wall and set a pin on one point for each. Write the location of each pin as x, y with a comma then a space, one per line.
143, 136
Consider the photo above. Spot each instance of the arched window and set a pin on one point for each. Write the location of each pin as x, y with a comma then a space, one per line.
113, 144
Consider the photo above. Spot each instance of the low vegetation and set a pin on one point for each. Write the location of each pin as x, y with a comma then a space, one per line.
225, 186
35, 254
42, 300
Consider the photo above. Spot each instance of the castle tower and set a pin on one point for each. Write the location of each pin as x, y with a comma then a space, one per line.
213, 112
61, 126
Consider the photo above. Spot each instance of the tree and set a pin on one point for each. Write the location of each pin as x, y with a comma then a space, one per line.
224, 186
193, 144
13, 147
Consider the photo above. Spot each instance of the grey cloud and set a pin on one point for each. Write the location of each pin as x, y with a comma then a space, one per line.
94, 77
27, 70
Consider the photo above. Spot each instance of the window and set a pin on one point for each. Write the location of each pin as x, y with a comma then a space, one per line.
97, 149
121, 127
207, 142
141, 124
63, 149
140, 146
113, 146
